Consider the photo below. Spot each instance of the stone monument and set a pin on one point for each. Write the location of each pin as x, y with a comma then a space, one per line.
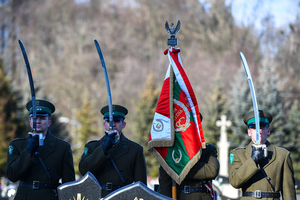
135, 191
87, 188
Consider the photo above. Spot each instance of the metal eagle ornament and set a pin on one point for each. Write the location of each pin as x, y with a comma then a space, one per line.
172, 41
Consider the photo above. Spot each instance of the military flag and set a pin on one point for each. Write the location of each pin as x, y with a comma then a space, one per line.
176, 138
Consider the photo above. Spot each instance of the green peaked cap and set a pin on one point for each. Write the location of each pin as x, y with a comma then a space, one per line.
43, 107
264, 117
118, 111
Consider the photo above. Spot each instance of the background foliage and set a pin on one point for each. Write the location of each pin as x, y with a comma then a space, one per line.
58, 36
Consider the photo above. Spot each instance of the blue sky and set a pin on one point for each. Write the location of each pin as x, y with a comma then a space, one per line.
249, 11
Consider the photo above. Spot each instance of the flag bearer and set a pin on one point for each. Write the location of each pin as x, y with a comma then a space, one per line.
197, 184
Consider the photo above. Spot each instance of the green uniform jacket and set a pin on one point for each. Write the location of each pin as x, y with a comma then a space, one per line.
245, 174
127, 155
206, 169
57, 157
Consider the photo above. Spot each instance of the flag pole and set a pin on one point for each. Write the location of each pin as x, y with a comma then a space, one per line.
174, 190
172, 42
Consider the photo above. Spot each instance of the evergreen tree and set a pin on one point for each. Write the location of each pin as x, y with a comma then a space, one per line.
85, 129
12, 124
239, 104
269, 98
268, 94
292, 130
145, 113
217, 105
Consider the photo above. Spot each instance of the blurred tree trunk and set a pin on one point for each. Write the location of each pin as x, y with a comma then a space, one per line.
3, 14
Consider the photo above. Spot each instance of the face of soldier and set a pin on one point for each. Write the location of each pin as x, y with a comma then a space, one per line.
264, 132
42, 124
118, 125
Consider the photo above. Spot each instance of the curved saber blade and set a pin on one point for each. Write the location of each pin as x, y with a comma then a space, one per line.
31, 85
256, 113
107, 84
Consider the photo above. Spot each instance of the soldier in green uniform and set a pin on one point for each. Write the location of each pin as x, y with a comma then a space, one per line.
262, 175
197, 184
39, 168
114, 160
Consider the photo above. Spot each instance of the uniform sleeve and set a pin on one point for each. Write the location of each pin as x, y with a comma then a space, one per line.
165, 183
241, 171
68, 167
288, 184
92, 159
140, 170
18, 162
208, 166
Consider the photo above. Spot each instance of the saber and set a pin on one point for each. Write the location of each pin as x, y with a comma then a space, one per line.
107, 85
256, 113
31, 85
41, 141
110, 110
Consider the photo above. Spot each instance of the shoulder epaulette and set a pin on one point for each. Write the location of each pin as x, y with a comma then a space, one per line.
238, 148
92, 141
18, 139
138, 144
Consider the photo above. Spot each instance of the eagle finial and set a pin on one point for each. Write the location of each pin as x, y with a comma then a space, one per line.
172, 32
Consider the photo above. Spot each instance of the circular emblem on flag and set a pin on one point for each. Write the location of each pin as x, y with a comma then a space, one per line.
176, 160
181, 115
158, 126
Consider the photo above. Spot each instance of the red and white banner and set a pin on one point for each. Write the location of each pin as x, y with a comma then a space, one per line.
176, 135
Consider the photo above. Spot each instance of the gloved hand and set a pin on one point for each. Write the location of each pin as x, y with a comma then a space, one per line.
257, 154
33, 144
113, 135
111, 138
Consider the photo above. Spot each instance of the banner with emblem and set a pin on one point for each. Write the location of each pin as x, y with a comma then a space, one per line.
176, 135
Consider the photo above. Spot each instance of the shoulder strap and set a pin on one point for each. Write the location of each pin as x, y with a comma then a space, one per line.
39, 157
267, 178
115, 166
